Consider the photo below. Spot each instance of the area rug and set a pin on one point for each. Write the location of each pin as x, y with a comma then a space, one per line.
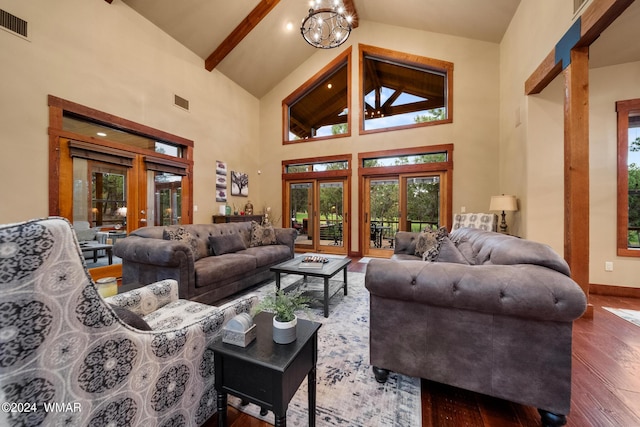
632, 316
347, 392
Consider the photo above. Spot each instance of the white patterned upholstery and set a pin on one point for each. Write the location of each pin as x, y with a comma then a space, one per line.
60, 342
483, 221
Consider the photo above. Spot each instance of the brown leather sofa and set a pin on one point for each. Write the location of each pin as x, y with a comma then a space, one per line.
493, 315
217, 262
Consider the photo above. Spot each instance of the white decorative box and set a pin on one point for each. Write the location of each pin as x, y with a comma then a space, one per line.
239, 331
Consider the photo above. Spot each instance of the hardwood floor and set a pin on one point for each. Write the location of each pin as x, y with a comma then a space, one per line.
606, 381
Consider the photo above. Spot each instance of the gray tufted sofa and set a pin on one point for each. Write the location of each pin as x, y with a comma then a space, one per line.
493, 315
202, 275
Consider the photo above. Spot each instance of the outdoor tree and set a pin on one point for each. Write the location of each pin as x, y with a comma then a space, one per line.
431, 116
634, 187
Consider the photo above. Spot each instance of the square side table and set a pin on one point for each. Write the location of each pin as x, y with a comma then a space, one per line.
266, 373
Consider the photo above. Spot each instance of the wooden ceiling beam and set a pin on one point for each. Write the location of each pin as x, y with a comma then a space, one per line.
350, 7
597, 17
240, 32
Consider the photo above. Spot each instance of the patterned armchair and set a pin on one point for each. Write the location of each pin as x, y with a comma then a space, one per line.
68, 359
483, 221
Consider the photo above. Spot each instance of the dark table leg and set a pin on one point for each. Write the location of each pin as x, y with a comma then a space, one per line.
277, 280
345, 280
326, 297
281, 421
222, 409
110, 255
311, 381
95, 255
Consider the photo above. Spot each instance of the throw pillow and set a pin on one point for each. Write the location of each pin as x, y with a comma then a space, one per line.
182, 235
130, 318
226, 243
450, 253
262, 235
428, 244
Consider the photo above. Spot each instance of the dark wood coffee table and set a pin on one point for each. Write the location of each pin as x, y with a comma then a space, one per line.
328, 270
95, 247
266, 373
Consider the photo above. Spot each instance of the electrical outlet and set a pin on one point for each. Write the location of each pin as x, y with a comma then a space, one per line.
463, 209
195, 208
608, 266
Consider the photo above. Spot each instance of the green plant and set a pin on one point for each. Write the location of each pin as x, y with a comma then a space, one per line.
284, 304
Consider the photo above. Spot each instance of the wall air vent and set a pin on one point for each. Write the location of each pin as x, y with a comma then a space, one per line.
13, 24
181, 102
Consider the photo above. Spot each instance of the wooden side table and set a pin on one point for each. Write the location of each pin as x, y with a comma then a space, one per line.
221, 219
266, 373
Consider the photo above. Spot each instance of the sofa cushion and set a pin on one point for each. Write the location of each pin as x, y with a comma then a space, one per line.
269, 255
215, 269
182, 235
226, 243
262, 235
130, 318
429, 242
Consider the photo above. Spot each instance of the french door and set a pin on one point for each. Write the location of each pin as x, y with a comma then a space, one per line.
316, 209
399, 202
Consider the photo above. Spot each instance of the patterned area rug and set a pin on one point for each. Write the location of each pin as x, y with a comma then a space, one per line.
347, 392
632, 316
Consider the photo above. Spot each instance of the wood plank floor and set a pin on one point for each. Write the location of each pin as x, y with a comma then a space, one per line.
606, 381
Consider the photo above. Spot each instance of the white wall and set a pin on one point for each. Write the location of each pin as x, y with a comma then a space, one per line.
107, 57
531, 162
606, 86
474, 131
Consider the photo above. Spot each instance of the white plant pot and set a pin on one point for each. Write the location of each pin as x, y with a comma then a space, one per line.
284, 332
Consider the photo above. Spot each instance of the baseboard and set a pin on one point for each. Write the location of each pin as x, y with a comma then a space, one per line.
614, 291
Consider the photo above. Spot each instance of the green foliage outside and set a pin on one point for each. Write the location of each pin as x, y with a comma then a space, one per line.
431, 116
634, 196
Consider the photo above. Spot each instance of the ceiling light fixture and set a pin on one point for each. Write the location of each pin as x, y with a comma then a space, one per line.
327, 26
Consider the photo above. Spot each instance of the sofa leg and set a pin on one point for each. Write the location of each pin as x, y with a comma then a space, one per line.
550, 419
381, 374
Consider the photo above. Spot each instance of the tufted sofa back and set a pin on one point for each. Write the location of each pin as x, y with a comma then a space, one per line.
487, 248
201, 233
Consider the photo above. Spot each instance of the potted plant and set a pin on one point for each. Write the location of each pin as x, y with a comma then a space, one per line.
284, 307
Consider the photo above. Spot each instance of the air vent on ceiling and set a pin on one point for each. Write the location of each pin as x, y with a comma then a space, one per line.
13, 23
181, 102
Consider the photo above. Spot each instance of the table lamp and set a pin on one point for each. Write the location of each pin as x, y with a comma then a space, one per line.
503, 203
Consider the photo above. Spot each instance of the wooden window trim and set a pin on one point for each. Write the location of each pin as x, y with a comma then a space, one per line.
623, 108
318, 174
310, 84
410, 60
59, 157
445, 167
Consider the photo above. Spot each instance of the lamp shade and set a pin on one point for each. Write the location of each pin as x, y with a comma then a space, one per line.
503, 203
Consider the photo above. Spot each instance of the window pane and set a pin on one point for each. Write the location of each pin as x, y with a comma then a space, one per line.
167, 198
398, 94
634, 180
423, 203
380, 162
316, 167
322, 110
87, 128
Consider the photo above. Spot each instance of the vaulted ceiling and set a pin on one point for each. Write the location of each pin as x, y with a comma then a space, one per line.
249, 41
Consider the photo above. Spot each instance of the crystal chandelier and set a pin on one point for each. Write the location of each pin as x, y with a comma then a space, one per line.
327, 26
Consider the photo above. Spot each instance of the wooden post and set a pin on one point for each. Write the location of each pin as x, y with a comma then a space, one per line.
576, 175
